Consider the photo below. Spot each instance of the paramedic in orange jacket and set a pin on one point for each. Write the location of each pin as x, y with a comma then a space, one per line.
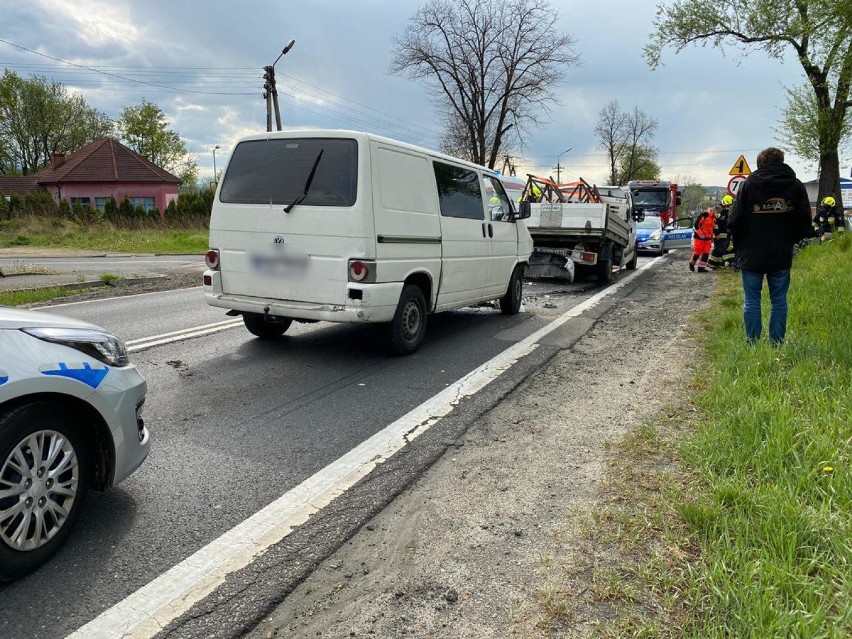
702, 240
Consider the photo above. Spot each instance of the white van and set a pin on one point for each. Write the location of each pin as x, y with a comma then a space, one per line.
343, 226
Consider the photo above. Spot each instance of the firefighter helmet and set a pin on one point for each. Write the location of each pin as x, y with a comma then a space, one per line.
828, 201
727, 200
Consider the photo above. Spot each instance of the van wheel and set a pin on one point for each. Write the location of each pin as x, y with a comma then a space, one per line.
510, 303
409, 322
44, 473
631, 265
266, 329
604, 271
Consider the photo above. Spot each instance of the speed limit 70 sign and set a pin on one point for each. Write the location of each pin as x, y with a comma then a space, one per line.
735, 184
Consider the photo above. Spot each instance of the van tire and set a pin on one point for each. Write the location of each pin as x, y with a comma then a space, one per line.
409, 321
604, 271
510, 303
631, 265
264, 329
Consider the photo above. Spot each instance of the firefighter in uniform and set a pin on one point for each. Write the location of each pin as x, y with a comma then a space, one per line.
828, 219
702, 240
723, 248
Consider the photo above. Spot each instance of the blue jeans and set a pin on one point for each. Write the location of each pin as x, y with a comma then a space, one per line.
778, 284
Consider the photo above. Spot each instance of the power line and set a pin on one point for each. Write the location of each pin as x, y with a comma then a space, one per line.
114, 75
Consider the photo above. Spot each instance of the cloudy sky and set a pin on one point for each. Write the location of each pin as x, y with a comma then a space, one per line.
201, 62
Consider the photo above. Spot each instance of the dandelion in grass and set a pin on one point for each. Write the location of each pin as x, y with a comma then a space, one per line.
827, 470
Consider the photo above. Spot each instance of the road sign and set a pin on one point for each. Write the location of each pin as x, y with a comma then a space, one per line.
740, 167
735, 184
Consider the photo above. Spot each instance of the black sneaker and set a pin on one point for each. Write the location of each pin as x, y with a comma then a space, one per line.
691, 266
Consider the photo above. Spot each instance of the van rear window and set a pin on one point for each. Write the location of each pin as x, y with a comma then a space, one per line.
276, 171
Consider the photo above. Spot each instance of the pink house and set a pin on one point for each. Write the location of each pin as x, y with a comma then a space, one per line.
97, 172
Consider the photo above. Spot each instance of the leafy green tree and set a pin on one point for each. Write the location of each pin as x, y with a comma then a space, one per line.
494, 64
144, 129
638, 163
801, 125
38, 117
818, 32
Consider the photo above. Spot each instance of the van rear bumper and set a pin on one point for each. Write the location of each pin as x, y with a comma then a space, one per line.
377, 304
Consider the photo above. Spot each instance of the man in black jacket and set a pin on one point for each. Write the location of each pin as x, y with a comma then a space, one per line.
771, 215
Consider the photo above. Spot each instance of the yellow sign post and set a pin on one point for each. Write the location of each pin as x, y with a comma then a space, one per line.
740, 167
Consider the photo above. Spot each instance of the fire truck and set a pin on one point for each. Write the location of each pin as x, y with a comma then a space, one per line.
656, 197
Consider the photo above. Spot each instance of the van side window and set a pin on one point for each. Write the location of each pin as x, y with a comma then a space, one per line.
499, 207
459, 192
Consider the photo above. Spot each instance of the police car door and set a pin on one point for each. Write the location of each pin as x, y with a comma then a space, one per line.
678, 234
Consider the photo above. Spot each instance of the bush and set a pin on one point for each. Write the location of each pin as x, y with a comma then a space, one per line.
125, 209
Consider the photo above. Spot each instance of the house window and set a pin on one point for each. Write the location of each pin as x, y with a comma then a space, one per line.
146, 203
82, 201
101, 202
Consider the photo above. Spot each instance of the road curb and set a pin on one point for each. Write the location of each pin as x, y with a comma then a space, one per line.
73, 286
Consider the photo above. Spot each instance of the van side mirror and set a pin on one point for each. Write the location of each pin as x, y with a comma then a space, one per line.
524, 211
678, 200
639, 214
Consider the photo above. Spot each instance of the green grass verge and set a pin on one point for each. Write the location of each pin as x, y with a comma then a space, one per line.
771, 505
730, 515
36, 296
35, 232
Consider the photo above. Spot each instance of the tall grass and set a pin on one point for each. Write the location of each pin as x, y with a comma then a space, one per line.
772, 506
186, 235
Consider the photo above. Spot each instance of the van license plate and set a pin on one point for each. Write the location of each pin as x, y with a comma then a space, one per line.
280, 265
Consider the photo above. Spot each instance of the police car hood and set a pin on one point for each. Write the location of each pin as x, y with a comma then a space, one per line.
14, 319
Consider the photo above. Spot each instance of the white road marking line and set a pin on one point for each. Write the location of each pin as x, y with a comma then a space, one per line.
167, 338
145, 612
191, 329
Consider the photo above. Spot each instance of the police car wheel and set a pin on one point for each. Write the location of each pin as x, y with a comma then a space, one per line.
44, 473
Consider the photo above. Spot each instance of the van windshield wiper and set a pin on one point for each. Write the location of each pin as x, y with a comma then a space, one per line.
307, 184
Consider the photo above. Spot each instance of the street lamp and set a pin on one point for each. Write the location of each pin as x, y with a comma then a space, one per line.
559, 166
215, 174
270, 90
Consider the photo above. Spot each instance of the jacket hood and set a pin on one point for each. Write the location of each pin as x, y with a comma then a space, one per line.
772, 175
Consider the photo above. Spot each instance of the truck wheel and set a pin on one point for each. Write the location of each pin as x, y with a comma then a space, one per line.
604, 271
409, 321
631, 265
510, 303
44, 472
266, 329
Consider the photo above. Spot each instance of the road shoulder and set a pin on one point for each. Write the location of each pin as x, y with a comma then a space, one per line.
469, 550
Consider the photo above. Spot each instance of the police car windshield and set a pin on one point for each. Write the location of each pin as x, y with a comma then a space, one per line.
651, 198
651, 223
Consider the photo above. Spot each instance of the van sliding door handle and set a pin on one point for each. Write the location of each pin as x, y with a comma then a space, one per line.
490, 231
483, 229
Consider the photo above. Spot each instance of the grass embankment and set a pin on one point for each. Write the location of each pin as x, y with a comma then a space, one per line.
36, 296
732, 516
129, 237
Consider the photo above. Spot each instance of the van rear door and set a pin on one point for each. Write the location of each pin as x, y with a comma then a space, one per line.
289, 216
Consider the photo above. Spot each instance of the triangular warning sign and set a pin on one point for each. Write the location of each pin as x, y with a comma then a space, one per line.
740, 167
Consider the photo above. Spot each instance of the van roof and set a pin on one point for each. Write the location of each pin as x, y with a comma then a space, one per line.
358, 135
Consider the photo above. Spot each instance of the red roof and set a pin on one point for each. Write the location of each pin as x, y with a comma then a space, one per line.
19, 184
105, 161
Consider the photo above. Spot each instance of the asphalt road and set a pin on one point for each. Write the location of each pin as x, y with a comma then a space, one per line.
236, 422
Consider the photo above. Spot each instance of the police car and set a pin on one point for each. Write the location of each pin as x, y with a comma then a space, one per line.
70, 419
653, 237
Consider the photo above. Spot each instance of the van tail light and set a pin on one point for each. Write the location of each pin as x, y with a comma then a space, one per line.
362, 271
212, 259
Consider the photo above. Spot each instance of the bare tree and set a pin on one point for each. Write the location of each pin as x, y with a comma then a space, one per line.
494, 62
626, 137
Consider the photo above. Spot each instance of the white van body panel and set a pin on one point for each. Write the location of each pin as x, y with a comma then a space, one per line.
395, 222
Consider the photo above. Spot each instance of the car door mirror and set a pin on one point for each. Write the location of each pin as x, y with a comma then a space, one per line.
524, 211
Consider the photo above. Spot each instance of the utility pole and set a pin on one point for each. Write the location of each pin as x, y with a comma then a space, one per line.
558, 166
270, 90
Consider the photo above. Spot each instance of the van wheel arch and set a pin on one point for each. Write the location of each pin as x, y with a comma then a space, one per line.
424, 282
